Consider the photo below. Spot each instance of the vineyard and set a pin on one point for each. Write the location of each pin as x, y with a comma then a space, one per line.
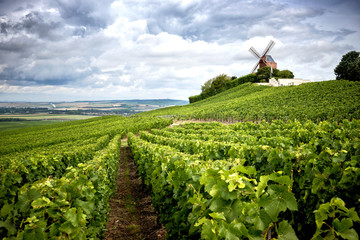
287, 167
56, 181
318, 101
253, 181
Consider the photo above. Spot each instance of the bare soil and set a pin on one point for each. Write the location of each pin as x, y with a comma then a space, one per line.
132, 216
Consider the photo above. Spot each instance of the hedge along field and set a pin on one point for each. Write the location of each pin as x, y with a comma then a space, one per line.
56, 181
318, 101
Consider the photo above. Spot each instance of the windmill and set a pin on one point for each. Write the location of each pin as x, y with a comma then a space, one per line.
264, 59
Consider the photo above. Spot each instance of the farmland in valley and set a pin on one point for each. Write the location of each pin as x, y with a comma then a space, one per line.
15, 115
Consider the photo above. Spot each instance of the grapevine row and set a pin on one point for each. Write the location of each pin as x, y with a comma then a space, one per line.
74, 206
60, 188
275, 188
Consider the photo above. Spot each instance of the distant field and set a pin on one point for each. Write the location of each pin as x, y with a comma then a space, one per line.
32, 120
46, 116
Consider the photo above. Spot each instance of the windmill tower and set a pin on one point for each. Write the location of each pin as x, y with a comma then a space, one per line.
264, 60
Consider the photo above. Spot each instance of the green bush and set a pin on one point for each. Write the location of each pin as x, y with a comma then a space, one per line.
285, 74
219, 84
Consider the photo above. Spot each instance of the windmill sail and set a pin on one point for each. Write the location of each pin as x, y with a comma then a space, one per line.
255, 67
264, 59
254, 52
269, 47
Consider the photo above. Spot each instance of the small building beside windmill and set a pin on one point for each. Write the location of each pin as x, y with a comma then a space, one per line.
284, 82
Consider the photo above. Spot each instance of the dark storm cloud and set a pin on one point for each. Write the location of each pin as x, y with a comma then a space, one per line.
37, 44
218, 21
53, 73
7, 6
207, 20
346, 6
90, 13
19, 46
32, 23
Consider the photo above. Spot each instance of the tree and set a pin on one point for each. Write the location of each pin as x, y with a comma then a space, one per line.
275, 72
215, 85
207, 85
349, 67
285, 74
219, 83
263, 73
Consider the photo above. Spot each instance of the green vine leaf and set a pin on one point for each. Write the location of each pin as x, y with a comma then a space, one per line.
285, 231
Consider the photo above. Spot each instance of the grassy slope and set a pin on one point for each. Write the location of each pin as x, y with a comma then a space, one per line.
4, 126
331, 100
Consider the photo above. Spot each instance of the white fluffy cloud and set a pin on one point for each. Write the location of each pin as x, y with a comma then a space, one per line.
86, 50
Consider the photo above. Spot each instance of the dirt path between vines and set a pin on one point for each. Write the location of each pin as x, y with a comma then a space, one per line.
132, 216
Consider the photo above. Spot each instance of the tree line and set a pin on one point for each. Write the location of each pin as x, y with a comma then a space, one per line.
223, 82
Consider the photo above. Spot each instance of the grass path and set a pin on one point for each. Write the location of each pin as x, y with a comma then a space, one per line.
132, 216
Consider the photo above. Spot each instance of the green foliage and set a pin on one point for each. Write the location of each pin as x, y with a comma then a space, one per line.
252, 180
241, 80
45, 136
334, 220
263, 74
219, 84
349, 67
56, 182
211, 87
317, 101
74, 206
273, 179
284, 74
207, 85
195, 98
215, 85
222, 82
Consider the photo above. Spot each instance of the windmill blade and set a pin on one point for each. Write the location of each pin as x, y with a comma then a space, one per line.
255, 67
254, 52
268, 48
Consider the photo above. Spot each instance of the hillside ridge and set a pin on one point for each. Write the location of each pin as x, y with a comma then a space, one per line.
317, 101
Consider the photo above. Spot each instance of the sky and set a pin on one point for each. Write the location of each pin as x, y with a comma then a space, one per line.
66, 50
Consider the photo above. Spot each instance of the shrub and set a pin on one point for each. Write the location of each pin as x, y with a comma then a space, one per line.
285, 74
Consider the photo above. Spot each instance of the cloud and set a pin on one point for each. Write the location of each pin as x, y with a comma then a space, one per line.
89, 13
91, 49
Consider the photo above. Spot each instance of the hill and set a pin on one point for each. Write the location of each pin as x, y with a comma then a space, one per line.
317, 101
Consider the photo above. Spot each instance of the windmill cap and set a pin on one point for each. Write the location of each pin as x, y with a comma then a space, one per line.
269, 58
